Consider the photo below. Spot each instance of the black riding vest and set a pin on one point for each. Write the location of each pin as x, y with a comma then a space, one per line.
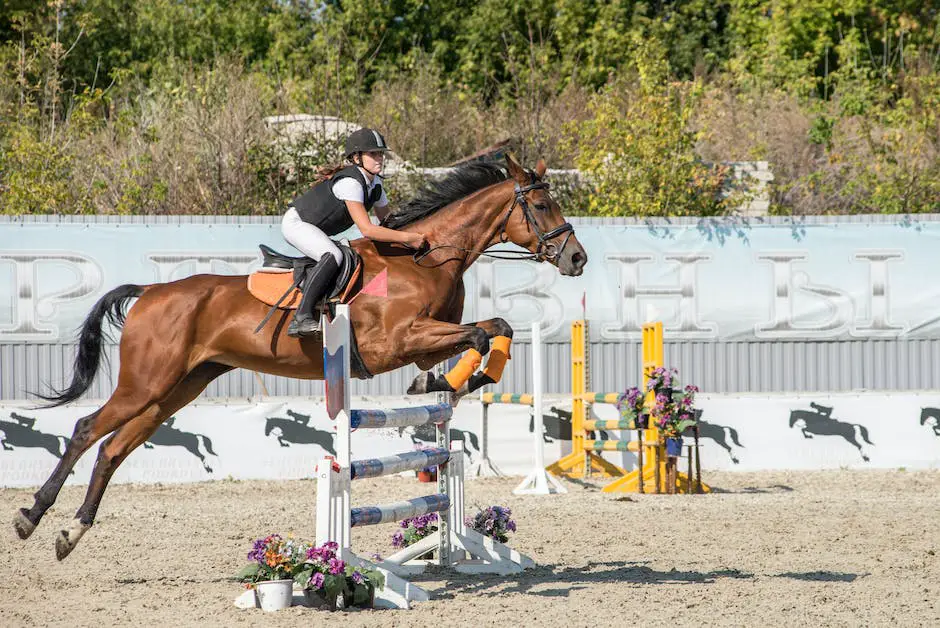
320, 208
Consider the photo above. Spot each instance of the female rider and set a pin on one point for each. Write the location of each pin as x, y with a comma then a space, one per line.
342, 198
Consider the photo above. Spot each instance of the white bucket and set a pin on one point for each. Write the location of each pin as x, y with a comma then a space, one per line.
274, 595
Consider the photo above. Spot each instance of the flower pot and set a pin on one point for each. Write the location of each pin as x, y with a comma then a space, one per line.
427, 476
274, 595
319, 600
362, 596
674, 446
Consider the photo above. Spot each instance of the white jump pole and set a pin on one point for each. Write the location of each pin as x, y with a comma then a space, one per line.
539, 481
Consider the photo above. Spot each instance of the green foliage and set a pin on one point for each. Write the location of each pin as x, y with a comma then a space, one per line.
639, 151
157, 106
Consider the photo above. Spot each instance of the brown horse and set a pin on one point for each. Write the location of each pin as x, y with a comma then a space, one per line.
180, 336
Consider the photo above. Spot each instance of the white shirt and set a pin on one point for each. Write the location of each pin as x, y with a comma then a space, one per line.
348, 189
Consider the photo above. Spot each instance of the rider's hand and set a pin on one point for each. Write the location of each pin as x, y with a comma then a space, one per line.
417, 240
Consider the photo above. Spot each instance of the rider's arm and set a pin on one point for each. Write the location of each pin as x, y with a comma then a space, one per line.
357, 211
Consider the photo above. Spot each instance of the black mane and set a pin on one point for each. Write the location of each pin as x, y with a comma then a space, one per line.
433, 195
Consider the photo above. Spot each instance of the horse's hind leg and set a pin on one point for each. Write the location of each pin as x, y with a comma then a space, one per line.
125, 403
127, 438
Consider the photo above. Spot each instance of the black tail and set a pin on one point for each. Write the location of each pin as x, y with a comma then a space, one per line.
112, 305
734, 436
207, 444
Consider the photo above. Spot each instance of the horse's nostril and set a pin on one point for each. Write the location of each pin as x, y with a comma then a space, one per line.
579, 259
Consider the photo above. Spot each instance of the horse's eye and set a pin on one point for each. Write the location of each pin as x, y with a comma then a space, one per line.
541, 207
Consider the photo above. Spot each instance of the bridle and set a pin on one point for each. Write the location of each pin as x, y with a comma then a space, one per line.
546, 251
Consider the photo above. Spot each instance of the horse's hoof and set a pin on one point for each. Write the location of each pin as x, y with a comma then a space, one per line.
62, 545
24, 527
68, 539
421, 384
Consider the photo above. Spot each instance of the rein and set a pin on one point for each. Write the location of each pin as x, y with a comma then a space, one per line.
545, 251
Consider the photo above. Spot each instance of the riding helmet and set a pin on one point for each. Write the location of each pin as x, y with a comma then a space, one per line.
364, 141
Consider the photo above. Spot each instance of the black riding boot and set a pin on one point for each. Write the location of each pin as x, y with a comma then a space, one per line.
319, 280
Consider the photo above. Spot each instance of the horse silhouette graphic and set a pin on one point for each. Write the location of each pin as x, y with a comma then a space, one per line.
169, 436
720, 435
297, 431
21, 432
931, 417
421, 434
819, 422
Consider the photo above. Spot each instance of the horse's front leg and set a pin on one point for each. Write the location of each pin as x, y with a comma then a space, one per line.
431, 342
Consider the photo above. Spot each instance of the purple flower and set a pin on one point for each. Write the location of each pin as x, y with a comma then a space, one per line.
336, 566
316, 580
357, 577
398, 540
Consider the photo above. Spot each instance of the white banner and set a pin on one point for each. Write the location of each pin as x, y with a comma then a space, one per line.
284, 439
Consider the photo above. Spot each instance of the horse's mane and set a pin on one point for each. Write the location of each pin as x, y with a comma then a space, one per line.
433, 195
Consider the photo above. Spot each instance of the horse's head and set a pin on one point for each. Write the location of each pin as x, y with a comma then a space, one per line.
535, 222
796, 415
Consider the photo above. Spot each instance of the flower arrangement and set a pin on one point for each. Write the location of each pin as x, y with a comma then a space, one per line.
414, 529
273, 558
317, 569
323, 570
662, 379
328, 575
493, 522
632, 407
673, 410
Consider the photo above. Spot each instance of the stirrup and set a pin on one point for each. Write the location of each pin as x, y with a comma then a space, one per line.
305, 326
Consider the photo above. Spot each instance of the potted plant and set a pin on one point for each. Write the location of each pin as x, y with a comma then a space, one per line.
494, 522
413, 529
632, 407
361, 584
323, 575
674, 415
275, 561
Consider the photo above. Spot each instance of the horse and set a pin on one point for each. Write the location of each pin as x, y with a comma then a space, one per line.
179, 336
288, 431
21, 433
168, 436
821, 424
720, 435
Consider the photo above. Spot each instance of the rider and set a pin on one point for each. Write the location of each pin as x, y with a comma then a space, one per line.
343, 197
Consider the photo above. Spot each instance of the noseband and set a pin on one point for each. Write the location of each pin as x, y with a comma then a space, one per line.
545, 251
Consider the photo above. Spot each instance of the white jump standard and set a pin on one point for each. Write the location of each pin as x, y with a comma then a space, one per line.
457, 547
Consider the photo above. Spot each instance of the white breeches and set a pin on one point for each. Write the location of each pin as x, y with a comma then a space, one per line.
307, 239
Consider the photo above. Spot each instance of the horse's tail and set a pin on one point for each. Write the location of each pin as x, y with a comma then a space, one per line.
112, 305
733, 433
864, 432
207, 443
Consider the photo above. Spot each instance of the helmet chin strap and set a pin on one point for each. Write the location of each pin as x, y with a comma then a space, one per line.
362, 165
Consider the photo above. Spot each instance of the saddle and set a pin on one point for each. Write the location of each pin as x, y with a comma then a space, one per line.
278, 281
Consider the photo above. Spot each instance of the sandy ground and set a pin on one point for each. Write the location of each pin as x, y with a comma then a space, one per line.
835, 548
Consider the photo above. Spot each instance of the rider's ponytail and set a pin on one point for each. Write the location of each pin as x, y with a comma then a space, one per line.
326, 172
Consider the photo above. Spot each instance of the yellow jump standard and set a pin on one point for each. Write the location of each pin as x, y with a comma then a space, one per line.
583, 461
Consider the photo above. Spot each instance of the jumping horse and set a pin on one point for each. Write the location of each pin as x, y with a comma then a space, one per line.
179, 336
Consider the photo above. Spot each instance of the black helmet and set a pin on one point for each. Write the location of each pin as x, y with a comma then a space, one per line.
364, 141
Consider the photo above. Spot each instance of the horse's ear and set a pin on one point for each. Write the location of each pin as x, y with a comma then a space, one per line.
540, 168
516, 171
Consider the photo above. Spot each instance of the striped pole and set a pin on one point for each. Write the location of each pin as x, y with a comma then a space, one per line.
412, 461
374, 515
